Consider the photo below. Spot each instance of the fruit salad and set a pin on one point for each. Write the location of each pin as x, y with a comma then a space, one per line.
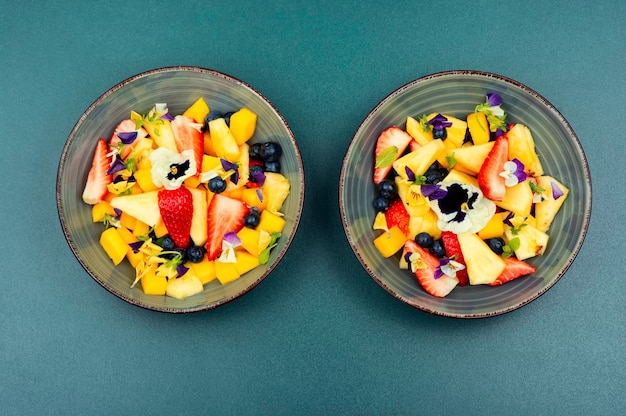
187, 199
463, 202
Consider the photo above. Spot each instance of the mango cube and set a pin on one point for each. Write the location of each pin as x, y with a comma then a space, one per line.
389, 243
254, 197
271, 222
198, 110
226, 272
153, 284
114, 245
204, 270
243, 125
100, 210
245, 262
250, 240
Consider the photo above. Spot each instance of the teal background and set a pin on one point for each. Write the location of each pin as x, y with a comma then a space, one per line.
318, 336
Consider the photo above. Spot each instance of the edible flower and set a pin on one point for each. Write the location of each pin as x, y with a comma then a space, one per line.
170, 169
556, 191
448, 267
228, 166
433, 191
439, 122
163, 112
259, 177
410, 175
494, 112
462, 208
230, 242
127, 137
513, 172
415, 261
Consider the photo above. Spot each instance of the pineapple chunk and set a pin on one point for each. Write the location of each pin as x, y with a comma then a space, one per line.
419, 160
518, 199
389, 243
184, 286
198, 230
483, 265
469, 159
276, 189
224, 144
478, 127
425, 223
243, 166
144, 206
522, 147
546, 211
415, 130
455, 175
532, 242
456, 132
162, 133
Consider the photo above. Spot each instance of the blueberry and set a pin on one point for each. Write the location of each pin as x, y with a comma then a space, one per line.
386, 188
227, 117
253, 218
424, 239
273, 166
195, 254
183, 254
167, 243
496, 244
213, 115
435, 175
437, 249
270, 151
255, 151
440, 133
253, 171
381, 204
217, 185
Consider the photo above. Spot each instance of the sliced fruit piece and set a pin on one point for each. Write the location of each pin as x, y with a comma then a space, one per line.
126, 126
204, 270
243, 169
160, 130
100, 210
453, 250
184, 287
419, 160
224, 215
425, 268
455, 175
514, 268
154, 284
456, 132
245, 262
532, 242
489, 179
421, 134
143, 177
98, 178
517, 199
176, 207
275, 189
397, 215
243, 125
270, 222
522, 147
494, 228
198, 230
483, 265
198, 110
427, 223
254, 197
188, 135
546, 211
144, 206
226, 272
469, 159
393, 142
478, 127
389, 243
224, 143
114, 245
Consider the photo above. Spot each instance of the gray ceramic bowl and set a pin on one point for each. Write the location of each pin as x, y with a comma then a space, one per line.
178, 87
457, 93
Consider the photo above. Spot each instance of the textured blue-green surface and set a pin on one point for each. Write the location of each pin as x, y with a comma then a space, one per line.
318, 335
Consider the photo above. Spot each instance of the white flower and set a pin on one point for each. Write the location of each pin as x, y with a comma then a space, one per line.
170, 169
462, 208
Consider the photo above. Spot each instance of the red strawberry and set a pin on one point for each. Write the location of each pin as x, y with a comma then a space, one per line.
414, 145
514, 268
188, 135
426, 274
453, 249
98, 179
489, 179
393, 136
398, 215
176, 209
126, 126
225, 214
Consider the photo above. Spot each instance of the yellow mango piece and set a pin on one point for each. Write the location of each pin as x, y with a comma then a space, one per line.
245, 262
226, 272
243, 125
160, 229
223, 141
210, 163
478, 127
99, 210
129, 237
113, 244
271, 222
141, 228
127, 221
495, 227
192, 182
204, 270
153, 284
198, 110
389, 243
250, 240
254, 197
275, 189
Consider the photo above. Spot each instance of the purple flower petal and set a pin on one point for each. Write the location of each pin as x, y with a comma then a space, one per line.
556, 191
438, 273
232, 238
409, 174
499, 132
181, 270
439, 122
116, 166
167, 116
407, 257
519, 171
226, 165
260, 195
136, 246
259, 176
127, 137
433, 191
508, 218
493, 99
118, 212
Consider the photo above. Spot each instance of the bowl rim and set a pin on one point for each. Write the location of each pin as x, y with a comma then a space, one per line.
201, 307
549, 107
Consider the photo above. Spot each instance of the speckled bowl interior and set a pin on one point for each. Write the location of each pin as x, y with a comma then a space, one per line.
457, 93
178, 87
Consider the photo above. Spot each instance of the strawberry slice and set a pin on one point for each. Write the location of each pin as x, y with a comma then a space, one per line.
489, 179
425, 272
176, 207
126, 126
398, 215
393, 136
98, 178
514, 268
453, 250
225, 214
188, 135
414, 145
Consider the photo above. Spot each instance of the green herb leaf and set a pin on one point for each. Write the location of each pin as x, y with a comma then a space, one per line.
420, 180
264, 256
451, 160
425, 127
516, 230
387, 157
536, 189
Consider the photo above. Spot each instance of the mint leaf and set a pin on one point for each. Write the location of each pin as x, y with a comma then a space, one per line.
386, 157
451, 160
536, 189
509, 249
264, 256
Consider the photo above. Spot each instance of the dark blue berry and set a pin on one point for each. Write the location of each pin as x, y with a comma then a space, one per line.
440, 133
167, 243
252, 219
183, 254
381, 204
496, 244
273, 166
254, 169
270, 151
435, 175
227, 117
437, 249
195, 254
255, 151
424, 239
217, 185
386, 188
